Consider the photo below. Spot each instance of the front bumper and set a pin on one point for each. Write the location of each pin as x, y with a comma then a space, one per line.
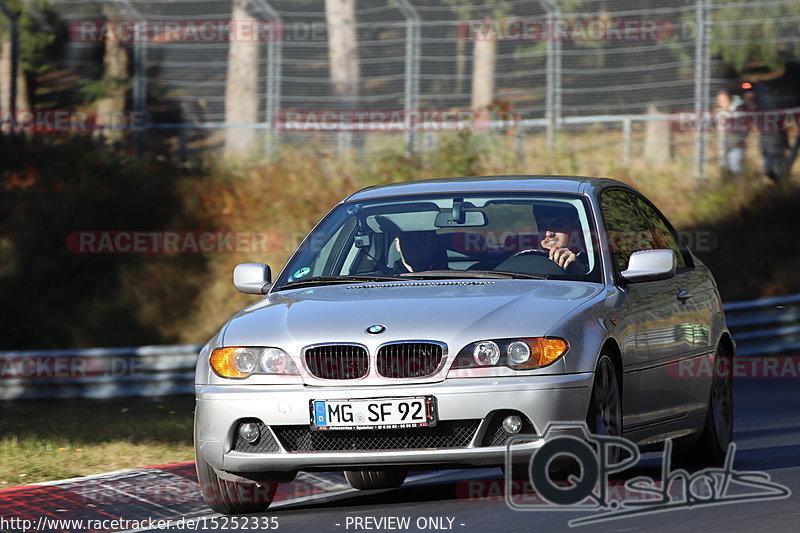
543, 399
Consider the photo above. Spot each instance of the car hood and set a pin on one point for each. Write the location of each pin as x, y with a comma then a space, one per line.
454, 312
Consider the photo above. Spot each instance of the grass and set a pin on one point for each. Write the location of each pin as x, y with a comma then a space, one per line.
46, 440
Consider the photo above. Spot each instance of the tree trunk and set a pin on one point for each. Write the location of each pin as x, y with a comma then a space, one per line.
484, 55
241, 89
461, 61
23, 104
343, 50
111, 107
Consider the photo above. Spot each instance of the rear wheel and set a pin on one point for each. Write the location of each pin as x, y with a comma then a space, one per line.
375, 479
231, 497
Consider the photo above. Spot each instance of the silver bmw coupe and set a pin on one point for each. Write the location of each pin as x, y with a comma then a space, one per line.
422, 325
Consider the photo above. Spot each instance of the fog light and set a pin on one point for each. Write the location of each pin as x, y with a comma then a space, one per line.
249, 431
512, 424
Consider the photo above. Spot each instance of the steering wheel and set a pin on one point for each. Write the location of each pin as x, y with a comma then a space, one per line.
544, 253
531, 262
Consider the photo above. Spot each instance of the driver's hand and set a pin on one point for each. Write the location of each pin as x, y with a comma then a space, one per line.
562, 256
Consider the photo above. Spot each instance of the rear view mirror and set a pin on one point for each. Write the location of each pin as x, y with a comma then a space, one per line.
471, 219
252, 278
650, 265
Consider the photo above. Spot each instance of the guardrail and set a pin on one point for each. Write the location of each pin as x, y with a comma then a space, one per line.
769, 326
98, 372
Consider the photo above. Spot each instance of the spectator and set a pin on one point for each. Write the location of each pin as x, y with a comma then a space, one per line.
772, 137
731, 118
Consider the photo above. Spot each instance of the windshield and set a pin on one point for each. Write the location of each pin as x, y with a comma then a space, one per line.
457, 235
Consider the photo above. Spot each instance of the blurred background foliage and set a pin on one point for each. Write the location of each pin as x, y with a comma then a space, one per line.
51, 186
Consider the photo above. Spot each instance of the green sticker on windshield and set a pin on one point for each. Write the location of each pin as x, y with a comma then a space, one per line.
303, 272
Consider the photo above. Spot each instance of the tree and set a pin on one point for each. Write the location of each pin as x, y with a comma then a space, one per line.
742, 34
484, 49
22, 102
38, 25
115, 81
484, 53
343, 50
241, 87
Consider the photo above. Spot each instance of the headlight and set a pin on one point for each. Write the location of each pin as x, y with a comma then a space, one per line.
239, 362
245, 361
486, 353
275, 361
519, 354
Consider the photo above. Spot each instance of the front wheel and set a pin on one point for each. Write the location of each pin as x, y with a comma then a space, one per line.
605, 406
231, 497
712, 445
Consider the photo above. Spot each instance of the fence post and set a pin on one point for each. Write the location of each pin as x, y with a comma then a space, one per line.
519, 142
12, 96
411, 96
553, 69
139, 96
626, 141
701, 86
272, 96
140, 79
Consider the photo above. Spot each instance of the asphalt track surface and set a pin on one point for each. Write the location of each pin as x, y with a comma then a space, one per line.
766, 432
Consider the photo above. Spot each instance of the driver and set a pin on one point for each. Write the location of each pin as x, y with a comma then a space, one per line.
556, 226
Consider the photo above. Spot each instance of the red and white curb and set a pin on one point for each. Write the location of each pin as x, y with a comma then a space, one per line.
159, 492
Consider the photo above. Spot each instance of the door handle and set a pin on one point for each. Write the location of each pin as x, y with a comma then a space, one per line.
683, 295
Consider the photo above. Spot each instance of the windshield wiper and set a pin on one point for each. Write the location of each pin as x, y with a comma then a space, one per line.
326, 280
497, 274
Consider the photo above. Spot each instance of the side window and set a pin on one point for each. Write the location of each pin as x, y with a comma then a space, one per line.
626, 229
664, 238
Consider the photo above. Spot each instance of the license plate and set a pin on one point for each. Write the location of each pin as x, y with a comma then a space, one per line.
375, 413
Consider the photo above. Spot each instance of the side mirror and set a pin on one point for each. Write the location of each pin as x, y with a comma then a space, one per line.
252, 278
650, 265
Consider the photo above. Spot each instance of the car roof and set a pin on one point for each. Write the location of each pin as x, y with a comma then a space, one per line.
482, 184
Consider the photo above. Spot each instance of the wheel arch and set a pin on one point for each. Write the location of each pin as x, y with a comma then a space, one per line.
726, 343
611, 348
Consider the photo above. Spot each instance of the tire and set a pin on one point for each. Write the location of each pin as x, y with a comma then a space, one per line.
231, 497
375, 479
604, 416
710, 447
